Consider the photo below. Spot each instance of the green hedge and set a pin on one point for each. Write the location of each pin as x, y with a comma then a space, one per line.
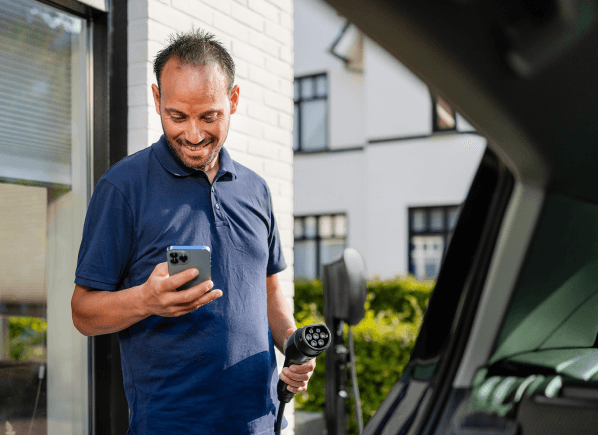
26, 338
383, 339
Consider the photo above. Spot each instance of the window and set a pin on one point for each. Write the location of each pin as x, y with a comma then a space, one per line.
319, 239
44, 126
310, 123
444, 117
430, 230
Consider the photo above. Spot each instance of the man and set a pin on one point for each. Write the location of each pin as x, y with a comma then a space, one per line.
196, 361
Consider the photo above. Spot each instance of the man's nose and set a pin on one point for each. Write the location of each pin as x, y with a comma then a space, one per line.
195, 133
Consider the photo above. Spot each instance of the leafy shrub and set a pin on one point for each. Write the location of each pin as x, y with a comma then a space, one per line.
26, 338
383, 340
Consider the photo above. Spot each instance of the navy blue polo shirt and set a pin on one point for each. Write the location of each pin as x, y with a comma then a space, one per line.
212, 370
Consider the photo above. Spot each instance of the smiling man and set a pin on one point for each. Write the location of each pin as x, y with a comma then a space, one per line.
196, 361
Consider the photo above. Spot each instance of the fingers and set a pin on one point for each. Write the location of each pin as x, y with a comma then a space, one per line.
178, 279
163, 299
207, 297
297, 376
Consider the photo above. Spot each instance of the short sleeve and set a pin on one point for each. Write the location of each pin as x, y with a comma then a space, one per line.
106, 246
276, 262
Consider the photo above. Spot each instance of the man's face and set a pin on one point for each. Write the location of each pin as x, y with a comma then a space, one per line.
195, 107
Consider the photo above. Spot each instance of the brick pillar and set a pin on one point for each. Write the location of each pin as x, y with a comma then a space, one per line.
259, 36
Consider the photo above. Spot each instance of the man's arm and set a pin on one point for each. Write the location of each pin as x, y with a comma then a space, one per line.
280, 315
282, 325
102, 312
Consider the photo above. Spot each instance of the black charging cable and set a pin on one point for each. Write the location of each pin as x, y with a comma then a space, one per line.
303, 345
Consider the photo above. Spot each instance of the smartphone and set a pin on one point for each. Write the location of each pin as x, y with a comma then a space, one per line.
180, 258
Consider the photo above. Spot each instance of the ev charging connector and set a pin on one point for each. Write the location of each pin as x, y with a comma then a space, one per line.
302, 345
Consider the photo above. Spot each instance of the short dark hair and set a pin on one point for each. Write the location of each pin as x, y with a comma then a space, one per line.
197, 48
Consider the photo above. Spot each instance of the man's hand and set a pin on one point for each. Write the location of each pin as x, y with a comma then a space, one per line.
297, 376
160, 295
98, 312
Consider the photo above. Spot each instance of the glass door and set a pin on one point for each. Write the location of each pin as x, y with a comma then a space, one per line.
44, 140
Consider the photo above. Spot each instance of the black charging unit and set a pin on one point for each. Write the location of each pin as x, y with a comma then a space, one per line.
345, 291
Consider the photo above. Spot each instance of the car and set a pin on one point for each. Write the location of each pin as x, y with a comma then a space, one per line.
508, 344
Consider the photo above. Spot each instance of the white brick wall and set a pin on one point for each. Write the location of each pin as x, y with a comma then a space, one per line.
259, 36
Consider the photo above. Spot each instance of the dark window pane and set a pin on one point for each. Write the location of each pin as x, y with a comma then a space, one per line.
298, 228
313, 125
305, 259
437, 219
311, 229
296, 128
321, 86
418, 221
307, 89
453, 215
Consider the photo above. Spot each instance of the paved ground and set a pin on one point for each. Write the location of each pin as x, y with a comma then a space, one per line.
309, 423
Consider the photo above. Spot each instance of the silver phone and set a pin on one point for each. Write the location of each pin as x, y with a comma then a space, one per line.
181, 258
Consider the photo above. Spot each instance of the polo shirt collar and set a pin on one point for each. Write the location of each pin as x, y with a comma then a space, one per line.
175, 167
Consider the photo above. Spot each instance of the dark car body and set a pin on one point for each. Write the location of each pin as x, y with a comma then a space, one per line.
508, 343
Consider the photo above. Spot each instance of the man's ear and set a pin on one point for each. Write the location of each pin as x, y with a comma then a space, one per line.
234, 99
156, 93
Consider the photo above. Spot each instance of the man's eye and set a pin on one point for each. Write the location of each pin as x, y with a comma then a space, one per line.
210, 119
177, 118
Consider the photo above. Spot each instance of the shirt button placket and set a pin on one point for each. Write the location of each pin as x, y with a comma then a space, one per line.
217, 214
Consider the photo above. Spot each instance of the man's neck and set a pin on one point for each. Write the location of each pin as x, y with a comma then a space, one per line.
213, 170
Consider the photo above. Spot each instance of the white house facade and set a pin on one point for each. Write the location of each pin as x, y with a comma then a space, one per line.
381, 164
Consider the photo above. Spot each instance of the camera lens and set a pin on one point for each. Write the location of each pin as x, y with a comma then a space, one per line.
173, 255
183, 258
174, 260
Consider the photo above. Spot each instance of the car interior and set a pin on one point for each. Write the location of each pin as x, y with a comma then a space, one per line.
509, 341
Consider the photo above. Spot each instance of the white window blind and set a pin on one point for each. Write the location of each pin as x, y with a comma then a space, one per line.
37, 44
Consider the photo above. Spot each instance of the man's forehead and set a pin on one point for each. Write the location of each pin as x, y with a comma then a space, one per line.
209, 69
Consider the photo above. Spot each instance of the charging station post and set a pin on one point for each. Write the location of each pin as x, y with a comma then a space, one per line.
345, 292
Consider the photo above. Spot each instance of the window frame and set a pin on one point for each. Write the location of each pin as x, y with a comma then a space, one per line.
445, 232
318, 238
298, 100
108, 407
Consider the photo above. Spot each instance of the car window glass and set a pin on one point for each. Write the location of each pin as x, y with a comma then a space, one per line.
556, 299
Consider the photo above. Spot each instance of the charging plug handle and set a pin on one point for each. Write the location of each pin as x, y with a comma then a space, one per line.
303, 345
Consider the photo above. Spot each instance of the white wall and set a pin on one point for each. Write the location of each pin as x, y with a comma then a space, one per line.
375, 187
397, 103
414, 173
259, 35
317, 25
